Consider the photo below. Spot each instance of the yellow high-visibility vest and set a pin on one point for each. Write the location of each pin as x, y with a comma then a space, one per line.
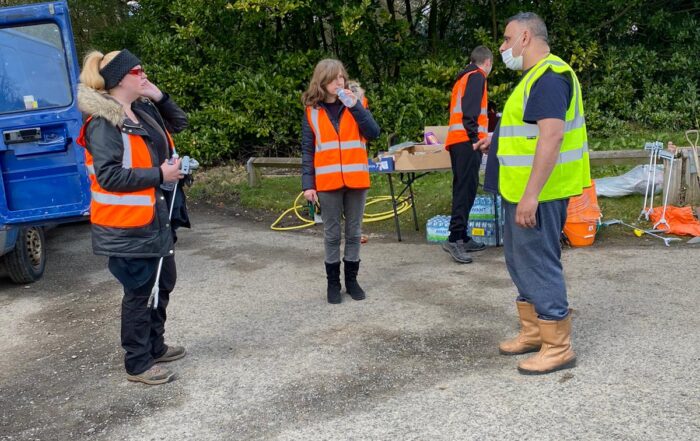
517, 141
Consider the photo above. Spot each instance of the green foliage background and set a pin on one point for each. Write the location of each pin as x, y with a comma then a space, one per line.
239, 66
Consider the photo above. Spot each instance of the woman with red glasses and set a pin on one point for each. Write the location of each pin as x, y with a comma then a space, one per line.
132, 172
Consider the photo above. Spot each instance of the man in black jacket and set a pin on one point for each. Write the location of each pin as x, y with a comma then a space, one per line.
468, 124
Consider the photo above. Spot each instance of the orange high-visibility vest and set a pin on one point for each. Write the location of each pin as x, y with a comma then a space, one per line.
121, 209
456, 132
340, 159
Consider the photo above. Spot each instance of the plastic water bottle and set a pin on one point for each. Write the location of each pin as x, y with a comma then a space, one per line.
344, 98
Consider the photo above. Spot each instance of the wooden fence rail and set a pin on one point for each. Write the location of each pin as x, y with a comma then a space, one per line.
611, 157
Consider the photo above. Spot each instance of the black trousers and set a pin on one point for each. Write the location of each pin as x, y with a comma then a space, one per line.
143, 328
465, 182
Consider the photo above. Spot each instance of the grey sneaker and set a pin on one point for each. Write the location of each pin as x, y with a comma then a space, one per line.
472, 245
457, 251
155, 375
172, 353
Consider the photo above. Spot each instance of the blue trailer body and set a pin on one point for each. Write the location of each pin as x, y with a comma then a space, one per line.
44, 179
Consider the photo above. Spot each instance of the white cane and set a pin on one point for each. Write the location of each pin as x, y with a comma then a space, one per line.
153, 299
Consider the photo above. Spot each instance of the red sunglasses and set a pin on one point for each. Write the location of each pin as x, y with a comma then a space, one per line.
137, 71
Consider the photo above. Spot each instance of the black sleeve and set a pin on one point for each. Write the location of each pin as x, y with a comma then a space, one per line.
471, 104
549, 98
104, 142
308, 174
174, 118
368, 126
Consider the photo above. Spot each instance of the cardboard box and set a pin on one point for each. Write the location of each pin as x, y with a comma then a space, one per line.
422, 157
440, 132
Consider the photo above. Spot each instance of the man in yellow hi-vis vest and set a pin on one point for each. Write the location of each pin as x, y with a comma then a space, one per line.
542, 152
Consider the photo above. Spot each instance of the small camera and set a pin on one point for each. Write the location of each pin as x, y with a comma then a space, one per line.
188, 165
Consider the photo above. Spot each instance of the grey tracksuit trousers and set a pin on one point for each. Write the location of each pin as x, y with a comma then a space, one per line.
334, 205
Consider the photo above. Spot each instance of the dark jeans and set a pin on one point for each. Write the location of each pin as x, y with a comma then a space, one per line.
465, 182
533, 258
143, 328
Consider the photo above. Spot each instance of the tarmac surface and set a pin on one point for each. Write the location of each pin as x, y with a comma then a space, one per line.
269, 359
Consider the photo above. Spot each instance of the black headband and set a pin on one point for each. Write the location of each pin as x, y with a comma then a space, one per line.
116, 69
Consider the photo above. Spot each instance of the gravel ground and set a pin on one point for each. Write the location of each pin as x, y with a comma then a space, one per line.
269, 359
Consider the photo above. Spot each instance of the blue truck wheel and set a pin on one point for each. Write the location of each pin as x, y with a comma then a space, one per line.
26, 263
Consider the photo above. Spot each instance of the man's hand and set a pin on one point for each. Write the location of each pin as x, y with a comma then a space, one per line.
526, 212
483, 144
310, 195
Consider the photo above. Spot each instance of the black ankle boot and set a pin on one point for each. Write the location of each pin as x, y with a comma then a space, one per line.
333, 276
353, 288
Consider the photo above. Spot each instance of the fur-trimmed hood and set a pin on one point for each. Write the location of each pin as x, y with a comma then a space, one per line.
94, 103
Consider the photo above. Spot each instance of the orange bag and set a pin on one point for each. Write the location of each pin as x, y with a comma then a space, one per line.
680, 220
582, 218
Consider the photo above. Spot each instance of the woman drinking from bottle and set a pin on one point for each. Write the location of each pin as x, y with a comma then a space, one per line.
335, 128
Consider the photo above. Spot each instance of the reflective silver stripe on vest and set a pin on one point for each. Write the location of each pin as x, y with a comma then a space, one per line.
346, 145
454, 127
90, 169
126, 158
528, 131
327, 169
323, 146
532, 131
485, 113
548, 62
113, 199
458, 104
337, 169
355, 167
320, 146
314, 120
331, 145
526, 160
575, 123
574, 85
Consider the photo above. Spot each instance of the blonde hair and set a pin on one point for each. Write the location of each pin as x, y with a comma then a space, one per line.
325, 71
92, 63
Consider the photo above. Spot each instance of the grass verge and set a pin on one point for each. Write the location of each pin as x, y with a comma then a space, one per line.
227, 186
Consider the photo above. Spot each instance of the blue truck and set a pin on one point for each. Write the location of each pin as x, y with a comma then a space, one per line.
44, 180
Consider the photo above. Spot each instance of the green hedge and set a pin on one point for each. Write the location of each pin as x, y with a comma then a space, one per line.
239, 67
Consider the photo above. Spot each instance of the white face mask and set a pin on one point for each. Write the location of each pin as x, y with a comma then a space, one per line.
511, 62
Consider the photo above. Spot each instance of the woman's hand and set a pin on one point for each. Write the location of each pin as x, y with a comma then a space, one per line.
311, 196
171, 172
152, 92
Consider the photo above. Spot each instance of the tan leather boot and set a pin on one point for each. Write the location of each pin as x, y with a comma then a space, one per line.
528, 340
556, 352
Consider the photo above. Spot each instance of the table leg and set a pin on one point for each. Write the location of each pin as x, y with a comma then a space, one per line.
393, 205
411, 178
